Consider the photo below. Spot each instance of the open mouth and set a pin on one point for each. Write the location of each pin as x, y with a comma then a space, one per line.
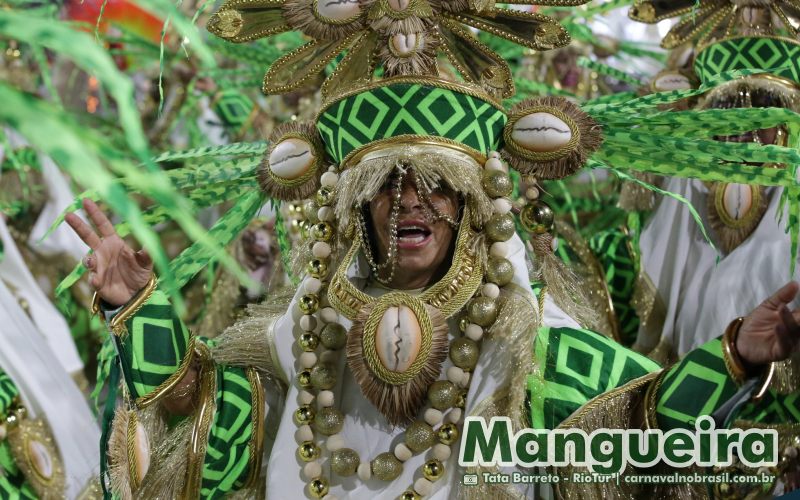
412, 234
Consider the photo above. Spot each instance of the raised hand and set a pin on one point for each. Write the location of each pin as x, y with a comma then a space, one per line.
771, 332
116, 272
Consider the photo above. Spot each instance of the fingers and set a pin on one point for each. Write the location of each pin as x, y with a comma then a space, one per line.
783, 296
90, 262
101, 222
143, 258
83, 230
787, 332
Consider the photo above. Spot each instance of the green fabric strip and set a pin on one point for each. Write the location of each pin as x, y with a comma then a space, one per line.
779, 56
225, 468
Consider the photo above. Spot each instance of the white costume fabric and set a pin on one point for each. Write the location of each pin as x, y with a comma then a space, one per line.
365, 429
702, 296
48, 392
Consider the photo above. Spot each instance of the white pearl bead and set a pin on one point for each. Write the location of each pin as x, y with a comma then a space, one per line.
491, 290
329, 356
312, 285
334, 442
304, 433
364, 471
328, 315
499, 249
441, 452
554, 244
532, 193
455, 374
473, 332
433, 416
308, 322
423, 486
329, 179
325, 399
312, 470
325, 214
454, 416
308, 360
494, 164
305, 397
321, 250
501, 205
494, 154
402, 452
465, 379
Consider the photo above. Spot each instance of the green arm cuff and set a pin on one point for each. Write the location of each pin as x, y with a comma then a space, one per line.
155, 348
572, 367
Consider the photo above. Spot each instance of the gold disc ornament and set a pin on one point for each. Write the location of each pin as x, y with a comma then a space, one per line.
35, 454
395, 350
735, 210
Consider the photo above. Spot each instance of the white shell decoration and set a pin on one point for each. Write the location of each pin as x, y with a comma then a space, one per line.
398, 5
291, 158
541, 132
671, 81
142, 448
40, 458
737, 200
398, 339
338, 10
406, 45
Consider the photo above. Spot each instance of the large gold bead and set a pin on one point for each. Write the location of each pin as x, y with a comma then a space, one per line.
333, 336
499, 270
419, 436
537, 217
308, 341
308, 451
318, 487
448, 433
461, 401
482, 311
323, 376
344, 462
497, 183
329, 421
464, 353
386, 467
304, 379
433, 470
325, 196
500, 227
322, 231
442, 394
304, 415
317, 268
309, 303
410, 495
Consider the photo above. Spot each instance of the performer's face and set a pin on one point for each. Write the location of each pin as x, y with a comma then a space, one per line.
424, 242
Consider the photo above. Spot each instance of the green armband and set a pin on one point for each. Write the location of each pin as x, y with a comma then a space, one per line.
155, 348
572, 367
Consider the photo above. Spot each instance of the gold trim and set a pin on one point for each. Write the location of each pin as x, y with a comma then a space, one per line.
117, 324
448, 295
601, 399
762, 391
256, 444
133, 460
354, 157
537, 156
651, 400
733, 362
202, 423
166, 386
463, 88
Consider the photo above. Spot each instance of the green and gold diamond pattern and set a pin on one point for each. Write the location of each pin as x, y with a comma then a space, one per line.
778, 56
410, 109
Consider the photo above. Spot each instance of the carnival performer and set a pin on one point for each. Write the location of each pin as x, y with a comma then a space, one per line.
416, 309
